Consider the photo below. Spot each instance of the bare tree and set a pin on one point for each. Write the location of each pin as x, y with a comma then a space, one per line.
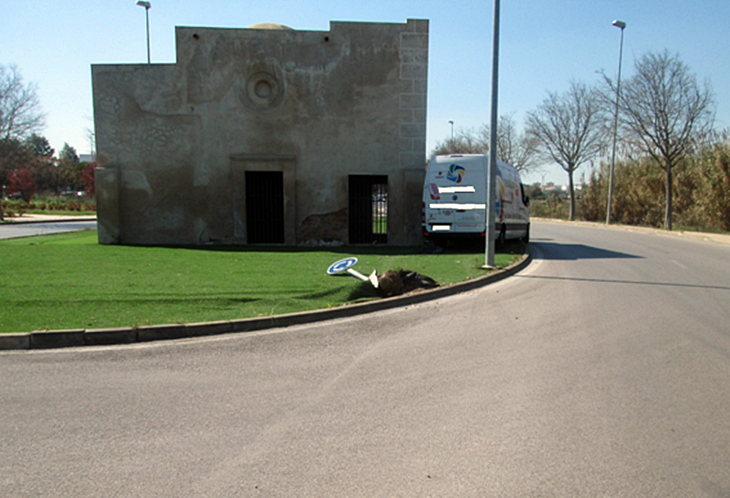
664, 113
91, 137
20, 110
464, 142
515, 149
20, 114
569, 129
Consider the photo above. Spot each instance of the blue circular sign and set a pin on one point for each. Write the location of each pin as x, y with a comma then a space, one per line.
341, 265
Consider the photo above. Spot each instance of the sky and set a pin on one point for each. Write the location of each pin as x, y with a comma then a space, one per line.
543, 46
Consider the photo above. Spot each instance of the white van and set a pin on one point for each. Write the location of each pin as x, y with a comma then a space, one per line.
455, 198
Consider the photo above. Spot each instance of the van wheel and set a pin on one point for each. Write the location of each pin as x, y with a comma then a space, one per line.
502, 240
439, 242
526, 238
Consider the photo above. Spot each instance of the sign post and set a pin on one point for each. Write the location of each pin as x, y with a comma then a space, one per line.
345, 265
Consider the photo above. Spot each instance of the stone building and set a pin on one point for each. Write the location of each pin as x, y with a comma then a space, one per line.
266, 135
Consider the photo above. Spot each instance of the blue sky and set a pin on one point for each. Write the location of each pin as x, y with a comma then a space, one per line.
543, 45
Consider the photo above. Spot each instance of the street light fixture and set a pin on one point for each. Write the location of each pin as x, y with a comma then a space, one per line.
146, 6
621, 25
451, 122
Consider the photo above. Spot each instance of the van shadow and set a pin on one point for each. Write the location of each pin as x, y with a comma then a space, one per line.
553, 251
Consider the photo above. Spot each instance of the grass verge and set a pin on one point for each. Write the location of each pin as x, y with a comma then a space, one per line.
69, 281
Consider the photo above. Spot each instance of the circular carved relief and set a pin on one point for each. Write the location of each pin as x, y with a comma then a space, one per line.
264, 90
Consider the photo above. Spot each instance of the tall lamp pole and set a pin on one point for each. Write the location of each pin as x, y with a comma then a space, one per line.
146, 6
451, 122
621, 25
489, 246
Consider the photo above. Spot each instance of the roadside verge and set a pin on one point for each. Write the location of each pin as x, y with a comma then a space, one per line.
48, 339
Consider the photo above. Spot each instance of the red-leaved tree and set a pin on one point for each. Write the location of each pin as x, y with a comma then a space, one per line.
87, 176
21, 180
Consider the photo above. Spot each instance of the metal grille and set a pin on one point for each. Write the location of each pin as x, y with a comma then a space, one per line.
265, 207
368, 209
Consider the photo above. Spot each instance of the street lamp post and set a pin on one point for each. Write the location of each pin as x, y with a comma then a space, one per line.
621, 25
490, 211
451, 122
146, 6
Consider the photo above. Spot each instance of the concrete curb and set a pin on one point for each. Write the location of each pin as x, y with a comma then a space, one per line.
47, 339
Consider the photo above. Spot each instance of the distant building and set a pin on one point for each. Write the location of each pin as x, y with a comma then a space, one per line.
550, 187
562, 190
266, 135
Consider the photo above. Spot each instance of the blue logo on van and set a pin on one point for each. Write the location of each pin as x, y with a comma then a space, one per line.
456, 173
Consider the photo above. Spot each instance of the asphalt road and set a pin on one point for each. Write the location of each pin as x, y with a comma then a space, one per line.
16, 230
601, 370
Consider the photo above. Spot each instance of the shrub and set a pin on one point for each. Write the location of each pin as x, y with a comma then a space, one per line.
595, 197
554, 206
709, 205
701, 192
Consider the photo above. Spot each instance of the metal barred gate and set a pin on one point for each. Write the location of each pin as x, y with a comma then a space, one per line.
265, 207
368, 209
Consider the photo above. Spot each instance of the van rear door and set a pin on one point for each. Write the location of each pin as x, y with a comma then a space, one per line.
454, 196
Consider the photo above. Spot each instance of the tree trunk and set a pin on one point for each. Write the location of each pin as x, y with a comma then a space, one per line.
571, 216
668, 212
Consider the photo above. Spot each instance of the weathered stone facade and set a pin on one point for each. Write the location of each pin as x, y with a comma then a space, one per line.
177, 143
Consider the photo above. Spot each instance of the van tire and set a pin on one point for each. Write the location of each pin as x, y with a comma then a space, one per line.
526, 238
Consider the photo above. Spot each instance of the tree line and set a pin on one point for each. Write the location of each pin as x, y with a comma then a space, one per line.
662, 118
28, 163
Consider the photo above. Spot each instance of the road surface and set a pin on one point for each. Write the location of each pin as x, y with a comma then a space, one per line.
16, 230
601, 370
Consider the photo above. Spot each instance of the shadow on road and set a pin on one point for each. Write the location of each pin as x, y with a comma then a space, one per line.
570, 252
629, 282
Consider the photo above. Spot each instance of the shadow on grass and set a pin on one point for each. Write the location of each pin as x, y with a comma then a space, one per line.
319, 295
468, 246
461, 247
363, 291
373, 249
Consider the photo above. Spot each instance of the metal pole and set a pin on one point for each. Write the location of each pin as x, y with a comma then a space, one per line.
489, 246
146, 5
620, 25
147, 15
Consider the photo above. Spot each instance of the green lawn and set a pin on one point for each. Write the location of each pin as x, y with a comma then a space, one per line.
70, 281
